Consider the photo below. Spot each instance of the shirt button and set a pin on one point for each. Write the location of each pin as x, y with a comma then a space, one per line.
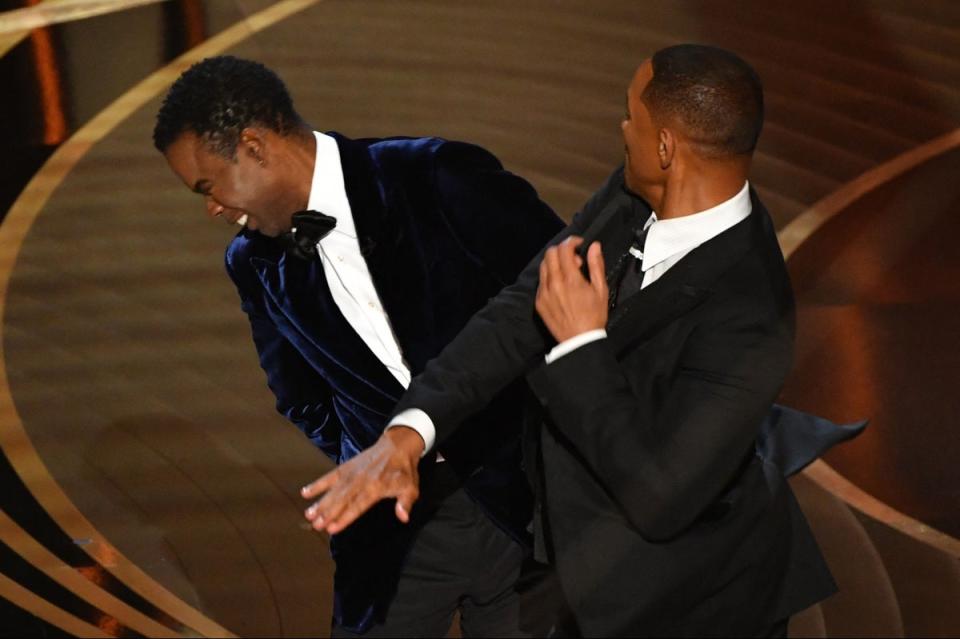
371, 305
340, 257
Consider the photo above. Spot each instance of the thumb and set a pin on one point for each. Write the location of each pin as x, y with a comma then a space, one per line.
598, 271
405, 501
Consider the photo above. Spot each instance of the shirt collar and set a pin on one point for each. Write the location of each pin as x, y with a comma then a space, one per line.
670, 237
328, 191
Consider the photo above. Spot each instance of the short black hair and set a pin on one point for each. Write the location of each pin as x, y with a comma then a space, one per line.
218, 97
714, 95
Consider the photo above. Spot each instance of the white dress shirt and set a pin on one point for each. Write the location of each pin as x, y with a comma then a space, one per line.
347, 274
348, 277
668, 241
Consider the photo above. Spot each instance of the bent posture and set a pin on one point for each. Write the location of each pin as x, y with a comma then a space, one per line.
359, 260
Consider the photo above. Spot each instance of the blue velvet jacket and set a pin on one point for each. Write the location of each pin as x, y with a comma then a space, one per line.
442, 228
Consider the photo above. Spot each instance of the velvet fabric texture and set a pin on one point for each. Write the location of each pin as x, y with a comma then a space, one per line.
442, 228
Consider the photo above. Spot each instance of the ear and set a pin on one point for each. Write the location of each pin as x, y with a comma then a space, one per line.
252, 145
666, 148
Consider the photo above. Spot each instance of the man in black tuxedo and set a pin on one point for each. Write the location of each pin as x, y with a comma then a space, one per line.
349, 300
653, 369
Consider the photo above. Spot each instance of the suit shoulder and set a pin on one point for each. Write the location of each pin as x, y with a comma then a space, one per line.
429, 152
757, 284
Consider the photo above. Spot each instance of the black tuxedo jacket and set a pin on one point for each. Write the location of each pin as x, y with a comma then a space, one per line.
442, 228
657, 510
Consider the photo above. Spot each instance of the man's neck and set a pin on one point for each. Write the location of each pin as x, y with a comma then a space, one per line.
702, 186
298, 164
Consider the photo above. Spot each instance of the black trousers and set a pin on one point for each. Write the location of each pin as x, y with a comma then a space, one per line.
460, 561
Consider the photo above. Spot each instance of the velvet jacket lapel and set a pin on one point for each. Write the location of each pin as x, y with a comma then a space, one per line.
391, 253
299, 289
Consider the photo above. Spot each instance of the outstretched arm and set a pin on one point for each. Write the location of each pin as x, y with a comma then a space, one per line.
497, 345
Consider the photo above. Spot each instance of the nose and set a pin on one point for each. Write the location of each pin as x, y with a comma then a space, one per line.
214, 208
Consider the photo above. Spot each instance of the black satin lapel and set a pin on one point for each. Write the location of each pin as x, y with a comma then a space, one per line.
299, 288
687, 283
364, 192
390, 251
654, 307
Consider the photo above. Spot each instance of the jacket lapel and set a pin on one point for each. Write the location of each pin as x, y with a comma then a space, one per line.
686, 284
392, 253
299, 289
654, 307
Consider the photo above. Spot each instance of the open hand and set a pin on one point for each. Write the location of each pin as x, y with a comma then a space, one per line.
568, 303
386, 469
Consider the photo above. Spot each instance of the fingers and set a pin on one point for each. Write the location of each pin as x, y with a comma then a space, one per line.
561, 263
321, 485
544, 274
340, 508
598, 274
329, 508
567, 258
342, 505
386, 469
356, 507
551, 259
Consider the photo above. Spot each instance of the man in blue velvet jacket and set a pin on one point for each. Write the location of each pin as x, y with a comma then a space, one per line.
424, 231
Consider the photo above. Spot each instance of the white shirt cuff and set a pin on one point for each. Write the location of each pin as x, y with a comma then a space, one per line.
419, 421
572, 344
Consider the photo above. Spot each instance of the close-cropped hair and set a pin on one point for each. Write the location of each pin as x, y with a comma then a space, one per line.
714, 96
217, 98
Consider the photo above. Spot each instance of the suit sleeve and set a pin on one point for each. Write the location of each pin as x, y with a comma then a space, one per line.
302, 395
500, 343
664, 467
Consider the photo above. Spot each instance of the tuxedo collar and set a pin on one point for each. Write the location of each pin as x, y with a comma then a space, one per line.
689, 282
328, 193
673, 236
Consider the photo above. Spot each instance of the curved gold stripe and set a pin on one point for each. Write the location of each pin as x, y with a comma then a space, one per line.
10, 40
807, 223
799, 230
830, 480
50, 12
67, 576
13, 437
38, 607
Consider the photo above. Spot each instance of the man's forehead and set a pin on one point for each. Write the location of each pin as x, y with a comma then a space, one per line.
641, 77
183, 157
189, 142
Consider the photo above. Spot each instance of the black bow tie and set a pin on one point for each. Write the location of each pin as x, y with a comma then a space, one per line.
309, 227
